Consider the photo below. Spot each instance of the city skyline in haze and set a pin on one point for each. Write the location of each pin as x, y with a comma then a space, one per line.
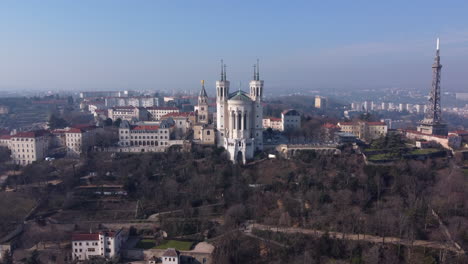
172, 45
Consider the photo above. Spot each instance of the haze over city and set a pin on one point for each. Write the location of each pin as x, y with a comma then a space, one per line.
171, 45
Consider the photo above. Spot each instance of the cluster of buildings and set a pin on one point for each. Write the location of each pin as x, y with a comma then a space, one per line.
105, 244
290, 120
30, 146
110, 244
368, 106
234, 122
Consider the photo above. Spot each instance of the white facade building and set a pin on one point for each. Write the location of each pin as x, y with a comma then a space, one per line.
128, 113
170, 256
274, 123
106, 244
27, 147
239, 118
78, 140
157, 112
145, 136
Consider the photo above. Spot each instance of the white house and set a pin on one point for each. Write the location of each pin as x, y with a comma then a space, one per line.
106, 244
171, 256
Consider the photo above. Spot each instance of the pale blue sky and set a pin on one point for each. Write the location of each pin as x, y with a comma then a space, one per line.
107, 45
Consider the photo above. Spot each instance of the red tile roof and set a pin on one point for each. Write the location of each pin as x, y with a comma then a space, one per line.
179, 114
5, 137
170, 252
459, 132
93, 236
376, 123
145, 127
30, 134
162, 108
329, 125
83, 237
274, 119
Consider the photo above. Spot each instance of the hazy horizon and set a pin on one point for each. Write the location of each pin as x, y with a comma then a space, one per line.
164, 45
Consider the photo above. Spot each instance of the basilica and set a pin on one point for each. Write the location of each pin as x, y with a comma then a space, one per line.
239, 117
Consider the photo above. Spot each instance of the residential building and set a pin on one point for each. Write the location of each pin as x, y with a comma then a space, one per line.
291, 119
94, 94
274, 123
138, 101
5, 141
170, 256
27, 147
106, 244
79, 139
320, 102
365, 131
155, 113
129, 113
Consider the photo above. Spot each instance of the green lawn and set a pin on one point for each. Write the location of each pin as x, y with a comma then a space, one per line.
150, 243
179, 245
146, 244
424, 151
383, 156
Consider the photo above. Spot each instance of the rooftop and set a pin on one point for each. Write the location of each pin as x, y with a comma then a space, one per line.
171, 252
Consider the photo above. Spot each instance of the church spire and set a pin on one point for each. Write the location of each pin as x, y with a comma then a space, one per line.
255, 72
222, 70
225, 79
258, 70
203, 91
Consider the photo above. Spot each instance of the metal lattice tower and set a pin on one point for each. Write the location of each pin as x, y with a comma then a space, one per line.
433, 113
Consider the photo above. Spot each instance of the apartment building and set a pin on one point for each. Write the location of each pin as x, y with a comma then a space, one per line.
79, 139
320, 102
27, 147
106, 244
128, 113
274, 123
365, 131
291, 119
155, 113
138, 101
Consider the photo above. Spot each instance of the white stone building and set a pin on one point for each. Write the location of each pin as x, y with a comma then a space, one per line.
170, 256
128, 113
145, 136
274, 123
155, 113
239, 118
365, 130
79, 139
138, 101
27, 147
106, 244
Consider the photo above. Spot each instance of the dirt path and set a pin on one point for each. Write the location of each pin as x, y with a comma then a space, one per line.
359, 237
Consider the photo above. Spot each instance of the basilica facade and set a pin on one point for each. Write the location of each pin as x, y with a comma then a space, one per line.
239, 117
